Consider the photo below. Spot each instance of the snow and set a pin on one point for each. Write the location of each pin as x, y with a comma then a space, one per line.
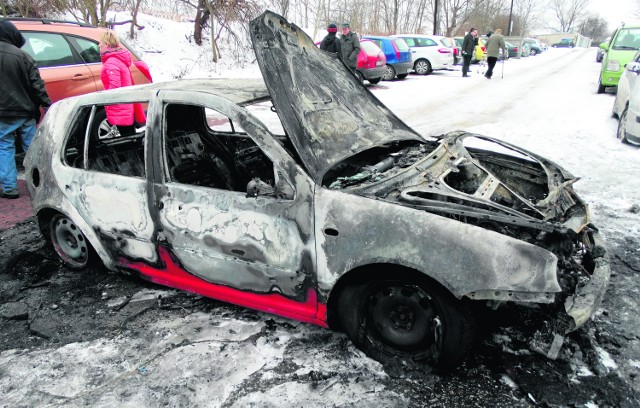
546, 104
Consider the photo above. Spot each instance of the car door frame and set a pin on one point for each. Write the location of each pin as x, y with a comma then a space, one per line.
290, 290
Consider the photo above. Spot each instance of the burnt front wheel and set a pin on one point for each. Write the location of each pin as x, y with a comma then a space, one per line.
407, 320
69, 242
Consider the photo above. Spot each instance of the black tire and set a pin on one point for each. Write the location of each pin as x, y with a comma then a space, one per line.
407, 318
402, 76
601, 87
622, 126
360, 77
389, 73
422, 67
69, 242
374, 80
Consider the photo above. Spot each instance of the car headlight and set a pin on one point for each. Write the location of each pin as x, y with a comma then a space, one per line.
613, 65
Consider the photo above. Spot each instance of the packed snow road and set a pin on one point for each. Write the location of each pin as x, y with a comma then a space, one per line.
104, 339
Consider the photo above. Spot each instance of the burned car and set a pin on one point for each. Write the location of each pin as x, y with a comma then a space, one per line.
343, 216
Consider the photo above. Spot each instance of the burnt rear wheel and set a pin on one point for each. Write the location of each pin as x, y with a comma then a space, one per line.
407, 319
70, 243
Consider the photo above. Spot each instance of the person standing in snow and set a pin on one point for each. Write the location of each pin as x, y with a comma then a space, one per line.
494, 44
116, 73
22, 93
330, 42
468, 48
349, 47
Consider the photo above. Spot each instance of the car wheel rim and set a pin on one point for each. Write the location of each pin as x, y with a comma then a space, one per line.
403, 316
105, 130
69, 242
389, 73
422, 67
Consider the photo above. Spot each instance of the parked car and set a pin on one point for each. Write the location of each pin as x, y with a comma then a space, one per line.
371, 62
625, 42
626, 105
429, 52
457, 51
525, 50
564, 43
398, 56
345, 217
68, 56
601, 51
513, 50
534, 46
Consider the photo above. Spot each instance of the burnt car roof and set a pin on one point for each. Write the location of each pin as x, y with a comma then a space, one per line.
326, 112
240, 91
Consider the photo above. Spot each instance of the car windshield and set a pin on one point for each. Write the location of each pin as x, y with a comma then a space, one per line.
627, 39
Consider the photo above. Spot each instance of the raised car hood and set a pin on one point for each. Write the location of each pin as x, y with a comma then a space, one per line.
324, 109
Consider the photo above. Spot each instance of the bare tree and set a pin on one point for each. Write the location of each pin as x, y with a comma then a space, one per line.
594, 27
528, 12
568, 12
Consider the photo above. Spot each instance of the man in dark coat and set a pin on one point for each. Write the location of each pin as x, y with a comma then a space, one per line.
349, 47
22, 92
468, 48
331, 43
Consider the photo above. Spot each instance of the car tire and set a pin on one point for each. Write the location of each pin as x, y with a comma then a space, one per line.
601, 88
402, 76
374, 80
407, 318
360, 77
70, 243
422, 67
389, 73
622, 126
101, 126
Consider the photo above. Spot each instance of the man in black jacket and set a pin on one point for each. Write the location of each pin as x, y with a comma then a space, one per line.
331, 43
468, 48
22, 92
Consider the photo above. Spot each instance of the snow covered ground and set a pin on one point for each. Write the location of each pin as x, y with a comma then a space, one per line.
230, 357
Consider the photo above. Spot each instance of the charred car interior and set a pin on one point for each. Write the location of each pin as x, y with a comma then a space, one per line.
281, 196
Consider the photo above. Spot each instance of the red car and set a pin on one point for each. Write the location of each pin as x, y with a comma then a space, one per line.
371, 62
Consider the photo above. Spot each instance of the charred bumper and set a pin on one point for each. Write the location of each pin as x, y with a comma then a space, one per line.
588, 295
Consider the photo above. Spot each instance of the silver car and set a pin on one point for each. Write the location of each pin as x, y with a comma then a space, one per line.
345, 218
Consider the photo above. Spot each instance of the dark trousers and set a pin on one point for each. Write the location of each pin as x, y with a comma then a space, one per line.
491, 62
466, 61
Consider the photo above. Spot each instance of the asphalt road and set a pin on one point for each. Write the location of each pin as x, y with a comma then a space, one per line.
100, 338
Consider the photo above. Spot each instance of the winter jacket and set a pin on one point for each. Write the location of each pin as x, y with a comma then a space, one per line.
350, 48
494, 44
22, 90
469, 44
116, 74
331, 43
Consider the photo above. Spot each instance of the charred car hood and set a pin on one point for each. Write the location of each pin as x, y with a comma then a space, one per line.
326, 112
467, 175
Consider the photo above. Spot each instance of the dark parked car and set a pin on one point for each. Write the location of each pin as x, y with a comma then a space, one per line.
513, 50
565, 43
331, 211
601, 52
398, 56
534, 46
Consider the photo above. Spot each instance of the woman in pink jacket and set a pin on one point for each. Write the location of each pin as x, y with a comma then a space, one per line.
116, 73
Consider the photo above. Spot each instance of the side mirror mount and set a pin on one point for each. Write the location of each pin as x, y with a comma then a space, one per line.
633, 67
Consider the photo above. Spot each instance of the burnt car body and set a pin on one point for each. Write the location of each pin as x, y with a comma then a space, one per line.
347, 219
